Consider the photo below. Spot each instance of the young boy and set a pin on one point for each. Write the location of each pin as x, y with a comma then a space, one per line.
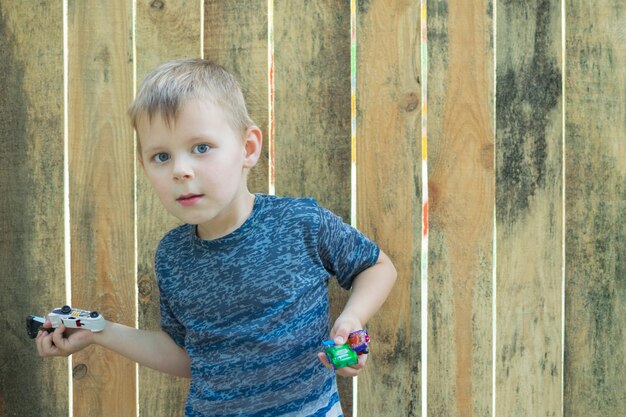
244, 299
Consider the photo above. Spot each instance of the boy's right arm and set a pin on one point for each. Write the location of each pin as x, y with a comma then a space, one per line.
154, 349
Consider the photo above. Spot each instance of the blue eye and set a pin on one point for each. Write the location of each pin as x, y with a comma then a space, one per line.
203, 148
161, 157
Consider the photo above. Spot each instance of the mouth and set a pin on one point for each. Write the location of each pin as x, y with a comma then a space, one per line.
189, 199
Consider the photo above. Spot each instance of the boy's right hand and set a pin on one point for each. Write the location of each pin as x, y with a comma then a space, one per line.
63, 341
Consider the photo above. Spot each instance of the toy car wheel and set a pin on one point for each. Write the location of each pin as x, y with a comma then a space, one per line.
66, 310
94, 314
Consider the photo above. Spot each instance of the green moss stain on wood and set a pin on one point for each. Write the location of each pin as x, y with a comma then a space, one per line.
528, 94
312, 105
32, 277
595, 178
528, 208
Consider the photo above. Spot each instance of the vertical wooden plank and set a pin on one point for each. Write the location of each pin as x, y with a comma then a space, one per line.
236, 36
529, 208
101, 165
312, 114
461, 187
164, 31
595, 207
389, 195
312, 101
32, 277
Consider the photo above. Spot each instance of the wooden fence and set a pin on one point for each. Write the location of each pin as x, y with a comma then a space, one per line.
489, 141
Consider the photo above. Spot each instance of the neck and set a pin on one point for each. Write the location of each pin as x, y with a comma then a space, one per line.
227, 223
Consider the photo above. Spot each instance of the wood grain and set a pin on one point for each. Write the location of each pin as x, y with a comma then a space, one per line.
102, 177
311, 71
389, 196
312, 115
461, 187
312, 104
595, 207
529, 195
164, 31
32, 277
236, 36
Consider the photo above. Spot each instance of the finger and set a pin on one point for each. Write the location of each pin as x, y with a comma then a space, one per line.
354, 370
324, 359
360, 364
57, 336
45, 346
348, 372
362, 361
38, 342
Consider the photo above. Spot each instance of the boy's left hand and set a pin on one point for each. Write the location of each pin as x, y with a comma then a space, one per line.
339, 333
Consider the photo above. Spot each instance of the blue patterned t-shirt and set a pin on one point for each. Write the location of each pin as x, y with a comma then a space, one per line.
251, 308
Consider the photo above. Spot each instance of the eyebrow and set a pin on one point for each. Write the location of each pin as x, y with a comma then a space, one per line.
151, 149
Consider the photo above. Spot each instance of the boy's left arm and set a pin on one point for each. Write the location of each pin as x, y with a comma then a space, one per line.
369, 291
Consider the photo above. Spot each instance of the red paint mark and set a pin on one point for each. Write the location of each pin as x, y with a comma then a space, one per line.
425, 219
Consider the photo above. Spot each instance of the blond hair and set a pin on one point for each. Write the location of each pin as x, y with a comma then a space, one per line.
164, 90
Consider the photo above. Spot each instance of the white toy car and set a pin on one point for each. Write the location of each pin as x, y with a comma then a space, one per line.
72, 318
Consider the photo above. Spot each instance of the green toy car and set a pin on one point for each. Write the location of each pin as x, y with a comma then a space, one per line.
340, 356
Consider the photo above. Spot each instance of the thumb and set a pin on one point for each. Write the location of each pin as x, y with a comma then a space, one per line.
341, 334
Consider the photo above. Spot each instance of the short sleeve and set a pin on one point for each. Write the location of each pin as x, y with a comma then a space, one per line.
345, 251
170, 324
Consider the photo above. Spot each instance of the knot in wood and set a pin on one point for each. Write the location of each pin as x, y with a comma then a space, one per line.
410, 102
157, 4
144, 286
79, 371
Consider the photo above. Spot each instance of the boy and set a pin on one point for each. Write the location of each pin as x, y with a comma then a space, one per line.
244, 299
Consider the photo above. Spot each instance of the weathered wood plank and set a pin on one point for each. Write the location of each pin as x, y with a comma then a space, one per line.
101, 170
312, 101
312, 115
389, 196
461, 192
164, 31
32, 277
236, 36
595, 207
529, 209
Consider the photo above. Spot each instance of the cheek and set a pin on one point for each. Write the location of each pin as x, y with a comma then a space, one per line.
158, 183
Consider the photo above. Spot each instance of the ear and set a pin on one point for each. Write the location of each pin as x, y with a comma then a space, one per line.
253, 143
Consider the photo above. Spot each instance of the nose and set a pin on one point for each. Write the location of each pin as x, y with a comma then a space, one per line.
182, 170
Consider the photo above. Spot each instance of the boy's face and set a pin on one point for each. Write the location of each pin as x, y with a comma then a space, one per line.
198, 166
